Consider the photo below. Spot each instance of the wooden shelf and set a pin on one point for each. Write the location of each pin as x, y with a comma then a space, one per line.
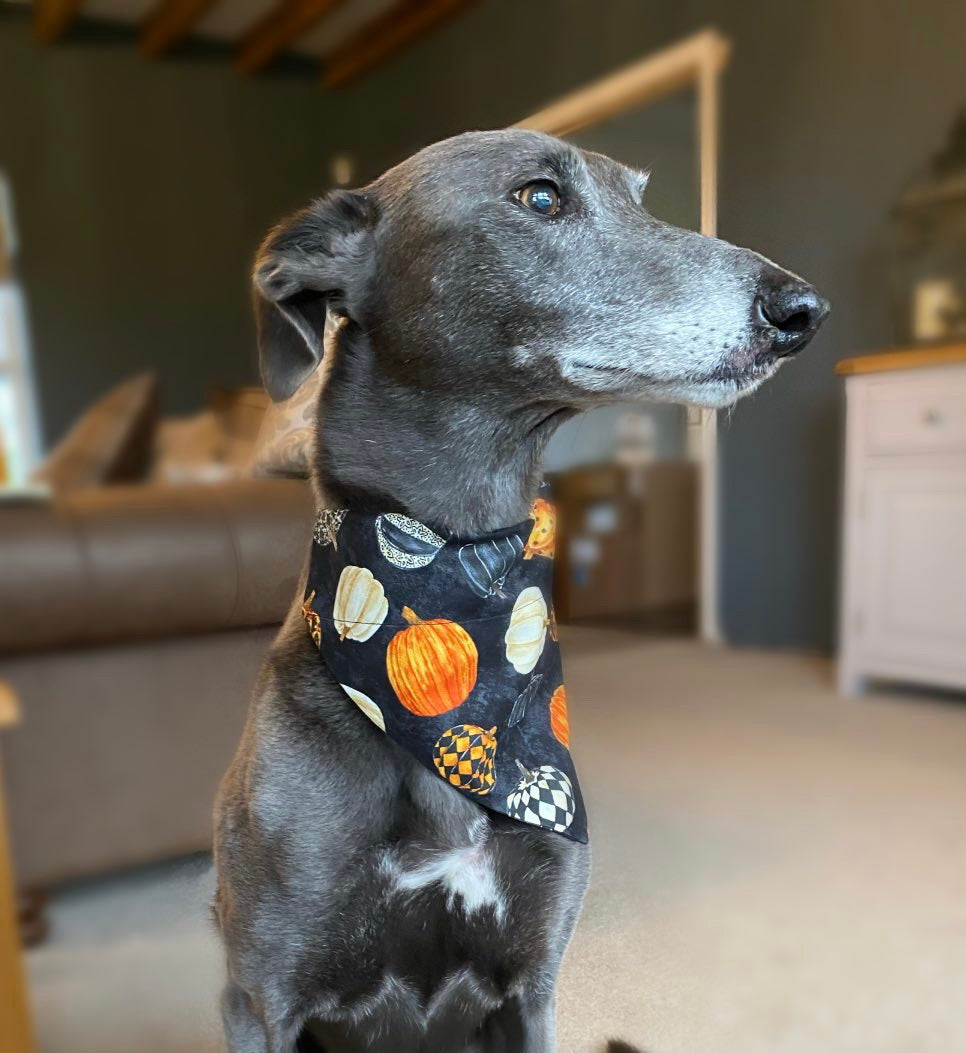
902, 358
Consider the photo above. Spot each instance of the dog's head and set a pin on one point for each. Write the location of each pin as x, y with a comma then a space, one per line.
514, 263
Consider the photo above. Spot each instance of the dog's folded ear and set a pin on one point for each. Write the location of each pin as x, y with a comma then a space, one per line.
316, 260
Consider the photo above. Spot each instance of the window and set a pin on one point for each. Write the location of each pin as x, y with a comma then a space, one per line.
19, 432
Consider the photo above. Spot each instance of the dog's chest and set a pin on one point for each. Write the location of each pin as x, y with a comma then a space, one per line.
425, 928
465, 879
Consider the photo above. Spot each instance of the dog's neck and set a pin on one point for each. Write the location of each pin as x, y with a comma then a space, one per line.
461, 463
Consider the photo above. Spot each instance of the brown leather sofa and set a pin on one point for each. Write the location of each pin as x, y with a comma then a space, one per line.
133, 620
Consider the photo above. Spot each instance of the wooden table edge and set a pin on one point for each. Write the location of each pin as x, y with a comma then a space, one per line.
902, 358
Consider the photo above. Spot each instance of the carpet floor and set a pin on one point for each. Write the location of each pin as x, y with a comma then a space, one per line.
777, 870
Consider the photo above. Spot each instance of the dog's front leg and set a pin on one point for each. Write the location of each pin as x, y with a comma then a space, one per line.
524, 1024
539, 1026
246, 1028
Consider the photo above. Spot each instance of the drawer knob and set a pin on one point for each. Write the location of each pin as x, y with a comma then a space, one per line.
932, 417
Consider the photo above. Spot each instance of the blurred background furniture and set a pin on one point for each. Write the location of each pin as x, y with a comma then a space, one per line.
627, 544
15, 1027
136, 618
903, 613
929, 265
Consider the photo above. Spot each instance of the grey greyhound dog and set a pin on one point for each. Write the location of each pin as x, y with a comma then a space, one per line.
488, 288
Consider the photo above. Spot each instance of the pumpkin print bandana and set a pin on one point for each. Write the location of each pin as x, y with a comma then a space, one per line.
449, 646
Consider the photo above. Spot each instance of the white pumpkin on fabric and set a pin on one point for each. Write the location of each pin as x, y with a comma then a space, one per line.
360, 605
365, 703
545, 797
527, 632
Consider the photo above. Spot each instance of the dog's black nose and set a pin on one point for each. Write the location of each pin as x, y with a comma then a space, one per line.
793, 309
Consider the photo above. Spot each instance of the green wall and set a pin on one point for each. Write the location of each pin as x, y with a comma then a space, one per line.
831, 107
141, 191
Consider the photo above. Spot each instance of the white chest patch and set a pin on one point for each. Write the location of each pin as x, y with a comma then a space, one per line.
466, 875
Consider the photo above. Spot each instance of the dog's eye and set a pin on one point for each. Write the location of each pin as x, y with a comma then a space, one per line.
542, 197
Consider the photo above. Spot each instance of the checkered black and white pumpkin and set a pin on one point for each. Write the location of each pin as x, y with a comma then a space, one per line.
545, 797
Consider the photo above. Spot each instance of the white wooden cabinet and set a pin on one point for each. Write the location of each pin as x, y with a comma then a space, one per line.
903, 610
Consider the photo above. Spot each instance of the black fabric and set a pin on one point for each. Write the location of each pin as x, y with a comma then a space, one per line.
449, 645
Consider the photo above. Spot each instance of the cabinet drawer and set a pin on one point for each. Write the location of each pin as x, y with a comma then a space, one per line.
916, 415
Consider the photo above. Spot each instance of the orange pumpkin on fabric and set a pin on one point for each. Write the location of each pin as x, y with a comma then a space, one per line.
541, 539
431, 665
559, 721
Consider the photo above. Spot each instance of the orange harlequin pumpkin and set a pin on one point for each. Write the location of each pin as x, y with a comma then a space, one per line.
464, 757
541, 539
559, 723
431, 665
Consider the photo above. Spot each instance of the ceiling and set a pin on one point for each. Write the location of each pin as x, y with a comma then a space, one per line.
349, 37
229, 20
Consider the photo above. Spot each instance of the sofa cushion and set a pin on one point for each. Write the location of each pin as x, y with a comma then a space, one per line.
140, 562
239, 411
197, 450
284, 444
110, 443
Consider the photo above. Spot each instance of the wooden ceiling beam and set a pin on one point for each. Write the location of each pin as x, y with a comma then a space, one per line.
169, 23
385, 36
52, 17
271, 35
